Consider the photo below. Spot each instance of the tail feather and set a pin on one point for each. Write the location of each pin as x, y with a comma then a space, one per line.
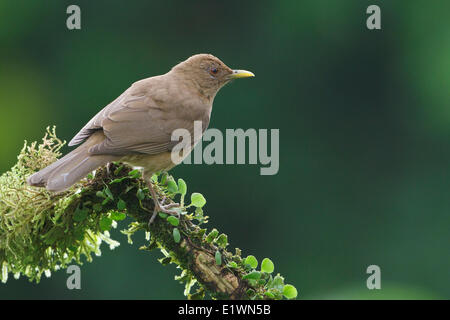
71, 168
39, 179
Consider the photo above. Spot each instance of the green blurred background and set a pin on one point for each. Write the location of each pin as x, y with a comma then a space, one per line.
364, 119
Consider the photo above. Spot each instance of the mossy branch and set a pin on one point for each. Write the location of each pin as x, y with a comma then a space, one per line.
42, 232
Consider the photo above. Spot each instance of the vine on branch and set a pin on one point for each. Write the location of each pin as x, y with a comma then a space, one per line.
41, 232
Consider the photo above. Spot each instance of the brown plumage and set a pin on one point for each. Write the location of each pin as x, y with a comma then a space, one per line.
136, 127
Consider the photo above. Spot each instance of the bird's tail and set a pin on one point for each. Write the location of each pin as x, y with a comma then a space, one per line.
71, 168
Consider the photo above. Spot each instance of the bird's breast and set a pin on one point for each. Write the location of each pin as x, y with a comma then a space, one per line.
150, 163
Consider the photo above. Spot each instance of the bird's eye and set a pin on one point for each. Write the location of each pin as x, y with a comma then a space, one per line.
214, 70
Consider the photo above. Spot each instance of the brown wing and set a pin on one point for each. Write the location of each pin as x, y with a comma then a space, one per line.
136, 123
96, 122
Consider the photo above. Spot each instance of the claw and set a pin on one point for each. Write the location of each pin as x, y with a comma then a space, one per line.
165, 209
160, 207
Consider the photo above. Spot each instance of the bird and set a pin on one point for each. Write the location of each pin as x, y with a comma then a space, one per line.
136, 127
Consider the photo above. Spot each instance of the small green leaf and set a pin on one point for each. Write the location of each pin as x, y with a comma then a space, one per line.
155, 178
118, 216
163, 215
173, 221
80, 214
176, 235
140, 194
117, 171
172, 186
269, 295
290, 292
222, 240
100, 194
135, 173
182, 187
121, 205
277, 283
232, 264
105, 223
201, 233
118, 180
252, 282
254, 275
251, 261
267, 265
198, 212
109, 193
212, 235
164, 178
198, 200
218, 257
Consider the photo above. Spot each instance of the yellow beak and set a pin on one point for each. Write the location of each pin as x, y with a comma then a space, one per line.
241, 74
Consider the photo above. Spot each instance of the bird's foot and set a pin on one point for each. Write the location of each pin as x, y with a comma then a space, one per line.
108, 169
160, 207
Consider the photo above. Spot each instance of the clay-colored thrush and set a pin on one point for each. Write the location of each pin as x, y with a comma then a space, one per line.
136, 127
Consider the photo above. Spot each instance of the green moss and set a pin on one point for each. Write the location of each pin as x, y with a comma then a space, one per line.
38, 232
41, 232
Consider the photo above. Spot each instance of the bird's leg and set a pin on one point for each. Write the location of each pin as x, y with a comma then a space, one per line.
159, 206
108, 169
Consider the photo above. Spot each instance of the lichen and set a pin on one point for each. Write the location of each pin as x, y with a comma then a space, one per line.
38, 233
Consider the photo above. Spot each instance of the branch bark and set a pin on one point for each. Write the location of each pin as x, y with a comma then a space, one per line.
192, 253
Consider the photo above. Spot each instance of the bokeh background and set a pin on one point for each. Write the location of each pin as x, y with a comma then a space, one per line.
364, 119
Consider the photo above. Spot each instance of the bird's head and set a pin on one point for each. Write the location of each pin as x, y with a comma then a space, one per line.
208, 72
